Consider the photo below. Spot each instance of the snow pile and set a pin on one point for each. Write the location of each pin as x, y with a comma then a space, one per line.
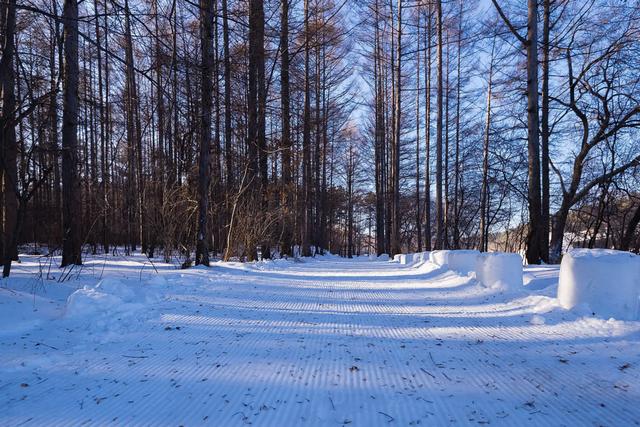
421, 257
113, 305
607, 281
499, 270
405, 259
439, 257
108, 295
463, 261
383, 257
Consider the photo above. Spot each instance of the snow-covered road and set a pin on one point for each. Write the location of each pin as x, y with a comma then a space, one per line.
320, 342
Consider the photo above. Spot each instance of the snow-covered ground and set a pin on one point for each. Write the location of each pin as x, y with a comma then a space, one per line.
324, 341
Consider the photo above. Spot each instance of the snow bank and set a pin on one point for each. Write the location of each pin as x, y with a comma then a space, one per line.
439, 257
463, 261
404, 259
114, 302
606, 281
499, 270
88, 301
383, 257
421, 257
412, 258
109, 295
460, 260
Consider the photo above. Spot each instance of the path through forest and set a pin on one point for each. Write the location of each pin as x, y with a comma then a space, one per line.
321, 342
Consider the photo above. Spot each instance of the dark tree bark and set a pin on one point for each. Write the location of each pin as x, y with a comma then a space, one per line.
286, 147
103, 132
379, 138
484, 192
439, 244
257, 8
306, 142
135, 190
457, 175
71, 205
8, 143
427, 115
204, 170
545, 132
418, 199
395, 210
534, 195
630, 231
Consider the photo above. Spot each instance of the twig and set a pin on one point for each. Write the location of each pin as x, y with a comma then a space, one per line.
46, 345
390, 418
428, 373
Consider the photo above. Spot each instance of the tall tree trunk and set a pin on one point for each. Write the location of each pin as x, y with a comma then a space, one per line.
286, 129
134, 187
379, 139
103, 132
535, 231
216, 174
227, 96
439, 122
536, 228
258, 10
395, 213
8, 144
544, 241
317, 125
53, 127
447, 93
456, 176
427, 120
206, 94
418, 200
306, 141
484, 210
350, 173
71, 204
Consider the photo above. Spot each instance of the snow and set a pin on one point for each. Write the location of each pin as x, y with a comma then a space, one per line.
439, 257
383, 257
499, 270
463, 261
602, 281
403, 259
324, 341
419, 258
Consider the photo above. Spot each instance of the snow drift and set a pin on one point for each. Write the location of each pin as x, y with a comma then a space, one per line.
607, 281
421, 257
383, 257
463, 261
404, 259
499, 270
439, 257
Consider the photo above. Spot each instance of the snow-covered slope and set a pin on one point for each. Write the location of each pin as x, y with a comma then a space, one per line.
318, 342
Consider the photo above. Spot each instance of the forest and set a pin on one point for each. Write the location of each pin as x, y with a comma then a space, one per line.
250, 129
